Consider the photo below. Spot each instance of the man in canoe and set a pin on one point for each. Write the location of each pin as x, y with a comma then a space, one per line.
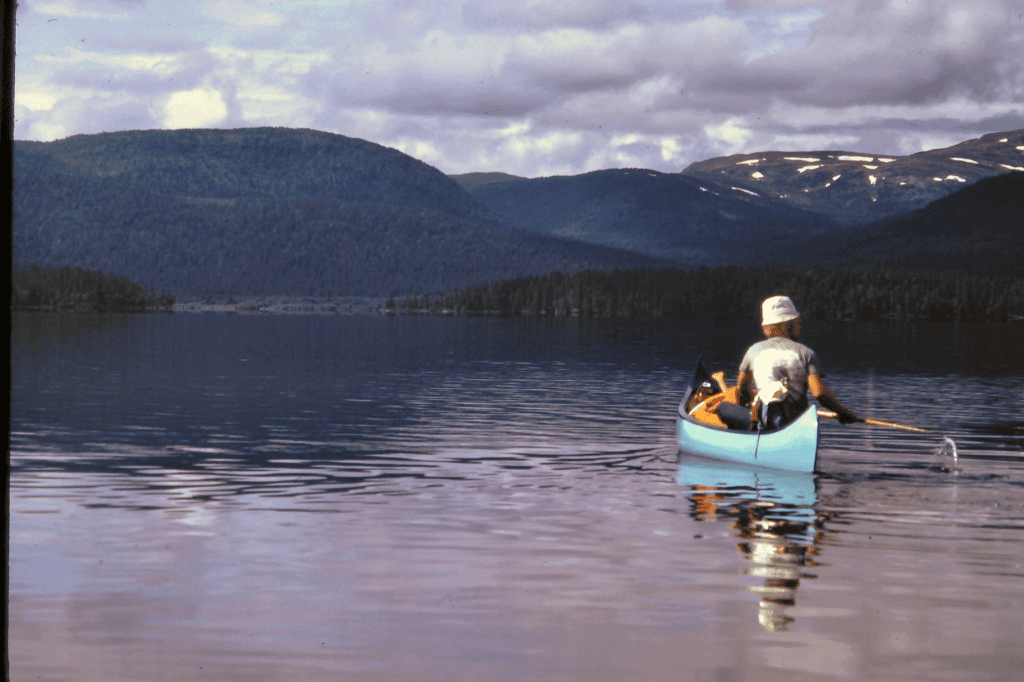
776, 373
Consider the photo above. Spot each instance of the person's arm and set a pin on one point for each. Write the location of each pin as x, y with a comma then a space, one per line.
827, 399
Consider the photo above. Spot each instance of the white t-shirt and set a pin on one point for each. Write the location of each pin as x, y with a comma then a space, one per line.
780, 360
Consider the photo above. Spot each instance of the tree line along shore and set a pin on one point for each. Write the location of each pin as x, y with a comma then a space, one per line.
820, 292
79, 289
726, 292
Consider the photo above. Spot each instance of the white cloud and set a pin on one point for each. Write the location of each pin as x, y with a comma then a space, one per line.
154, 64
884, 53
72, 9
36, 101
731, 136
48, 132
194, 109
538, 87
242, 14
421, 149
671, 149
73, 115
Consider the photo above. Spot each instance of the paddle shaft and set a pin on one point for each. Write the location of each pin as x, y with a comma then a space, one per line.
720, 378
874, 422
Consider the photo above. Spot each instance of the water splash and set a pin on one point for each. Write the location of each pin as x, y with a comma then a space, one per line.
946, 458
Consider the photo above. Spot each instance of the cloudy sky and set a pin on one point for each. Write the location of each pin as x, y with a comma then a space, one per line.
532, 87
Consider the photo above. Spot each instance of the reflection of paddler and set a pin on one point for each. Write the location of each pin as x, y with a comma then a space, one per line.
776, 559
777, 528
705, 501
715, 487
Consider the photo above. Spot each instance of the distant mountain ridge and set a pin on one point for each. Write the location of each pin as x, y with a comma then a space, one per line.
667, 215
281, 211
764, 208
858, 187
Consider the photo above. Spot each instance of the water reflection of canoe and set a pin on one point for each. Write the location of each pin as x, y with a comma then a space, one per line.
773, 517
792, 490
793, 447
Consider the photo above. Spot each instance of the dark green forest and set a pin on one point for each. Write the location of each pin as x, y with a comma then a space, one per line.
730, 292
669, 215
272, 211
252, 162
35, 288
157, 221
978, 230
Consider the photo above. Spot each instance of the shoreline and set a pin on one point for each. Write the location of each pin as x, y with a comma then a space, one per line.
294, 305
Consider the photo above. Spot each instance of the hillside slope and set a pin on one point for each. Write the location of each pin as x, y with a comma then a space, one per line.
667, 215
977, 230
278, 211
267, 211
232, 164
472, 181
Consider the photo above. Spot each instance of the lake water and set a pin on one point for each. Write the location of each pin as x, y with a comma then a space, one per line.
226, 497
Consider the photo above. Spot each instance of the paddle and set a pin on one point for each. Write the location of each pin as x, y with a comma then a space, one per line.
719, 377
874, 422
948, 447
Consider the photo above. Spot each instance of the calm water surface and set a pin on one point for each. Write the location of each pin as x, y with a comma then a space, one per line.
220, 497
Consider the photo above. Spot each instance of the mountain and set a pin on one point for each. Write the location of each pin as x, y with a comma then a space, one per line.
257, 211
978, 230
858, 187
752, 209
281, 211
668, 215
233, 164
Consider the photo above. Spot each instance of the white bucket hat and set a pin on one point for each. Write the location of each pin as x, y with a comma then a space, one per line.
778, 309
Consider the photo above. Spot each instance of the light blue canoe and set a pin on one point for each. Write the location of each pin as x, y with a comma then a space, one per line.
791, 448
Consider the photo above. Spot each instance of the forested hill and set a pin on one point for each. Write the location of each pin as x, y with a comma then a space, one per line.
798, 208
268, 211
283, 211
978, 230
255, 162
53, 289
472, 181
669, 215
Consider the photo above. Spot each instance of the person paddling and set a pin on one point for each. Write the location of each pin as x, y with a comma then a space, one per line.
776, 373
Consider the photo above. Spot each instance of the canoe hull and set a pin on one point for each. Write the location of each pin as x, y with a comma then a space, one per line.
792, 448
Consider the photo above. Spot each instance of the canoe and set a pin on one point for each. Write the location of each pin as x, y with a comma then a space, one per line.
792, 448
